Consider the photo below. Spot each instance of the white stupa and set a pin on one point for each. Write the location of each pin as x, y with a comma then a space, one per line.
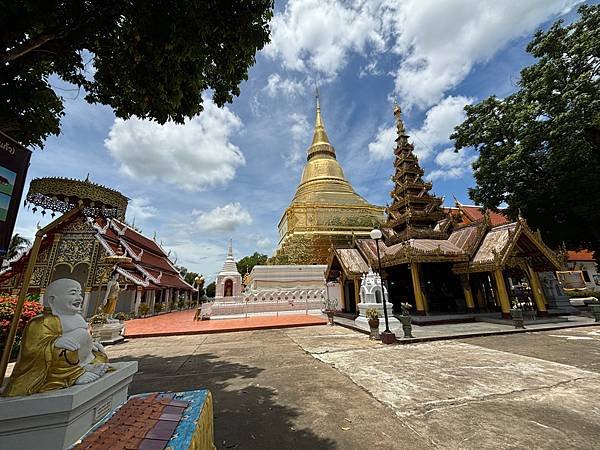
372, 296
229, 280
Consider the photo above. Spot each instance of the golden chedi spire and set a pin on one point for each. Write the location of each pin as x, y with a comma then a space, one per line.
320, 142
325, 207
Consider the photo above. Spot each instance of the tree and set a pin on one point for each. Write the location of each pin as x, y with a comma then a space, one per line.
151, 59
539, 148
18, 244
210, 290
190, 278
248, 262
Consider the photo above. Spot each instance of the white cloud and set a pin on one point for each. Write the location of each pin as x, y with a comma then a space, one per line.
222, 218
452, 164
318, 35
436, 130
140, 209
437, 42
194, 156
264, 243
440, 42
383, 146
438, 125
300, 130
288, 88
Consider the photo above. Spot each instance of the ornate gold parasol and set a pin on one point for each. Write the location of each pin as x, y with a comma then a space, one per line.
57, 194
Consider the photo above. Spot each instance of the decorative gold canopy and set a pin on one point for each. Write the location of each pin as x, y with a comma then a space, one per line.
325, 208
62, 194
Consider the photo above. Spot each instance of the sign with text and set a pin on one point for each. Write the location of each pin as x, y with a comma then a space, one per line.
14, 162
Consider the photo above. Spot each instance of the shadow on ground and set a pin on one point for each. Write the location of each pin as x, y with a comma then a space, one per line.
247, 416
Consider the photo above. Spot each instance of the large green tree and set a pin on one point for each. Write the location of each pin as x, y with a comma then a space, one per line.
248, 262
539, 148
152, 59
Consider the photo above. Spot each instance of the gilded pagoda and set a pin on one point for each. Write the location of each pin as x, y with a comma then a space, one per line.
325, 209
439, 262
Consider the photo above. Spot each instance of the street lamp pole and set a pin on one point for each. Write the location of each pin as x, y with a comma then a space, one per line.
387, 337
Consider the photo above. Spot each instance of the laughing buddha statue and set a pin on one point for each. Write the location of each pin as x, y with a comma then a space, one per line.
57, 349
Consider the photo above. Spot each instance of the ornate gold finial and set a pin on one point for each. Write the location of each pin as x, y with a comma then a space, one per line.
320, 135
399, 124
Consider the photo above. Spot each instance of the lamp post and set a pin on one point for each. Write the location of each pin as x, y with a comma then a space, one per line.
387, 337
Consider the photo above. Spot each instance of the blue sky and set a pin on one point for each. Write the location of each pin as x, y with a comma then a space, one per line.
231, 172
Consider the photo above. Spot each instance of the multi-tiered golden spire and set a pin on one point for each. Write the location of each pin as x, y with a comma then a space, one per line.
325, 208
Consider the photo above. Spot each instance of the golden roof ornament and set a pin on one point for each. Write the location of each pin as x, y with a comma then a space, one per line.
58, 194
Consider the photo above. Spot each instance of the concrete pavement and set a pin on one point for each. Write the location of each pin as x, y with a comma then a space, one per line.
331, 388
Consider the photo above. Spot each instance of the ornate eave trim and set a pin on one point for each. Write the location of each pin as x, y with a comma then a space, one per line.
132, 277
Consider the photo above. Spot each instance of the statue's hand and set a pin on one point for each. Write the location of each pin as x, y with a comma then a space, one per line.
67, 342
98, 369
87, 377
98, 347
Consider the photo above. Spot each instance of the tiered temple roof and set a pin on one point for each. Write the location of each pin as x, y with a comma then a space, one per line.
414, 212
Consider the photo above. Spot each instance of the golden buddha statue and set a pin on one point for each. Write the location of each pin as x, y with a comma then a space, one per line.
109, 305
57, 350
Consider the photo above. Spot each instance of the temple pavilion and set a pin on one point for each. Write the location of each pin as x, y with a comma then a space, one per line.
325, 209
77, 247
457, 260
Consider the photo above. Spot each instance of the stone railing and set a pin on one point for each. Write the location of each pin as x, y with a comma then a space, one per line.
269, 302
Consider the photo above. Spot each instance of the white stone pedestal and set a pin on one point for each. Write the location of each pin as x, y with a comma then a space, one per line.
57, 419
108, 333
363, 323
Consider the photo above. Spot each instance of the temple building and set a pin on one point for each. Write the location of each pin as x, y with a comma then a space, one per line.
229, 280
79, 247
458, 260
325, 209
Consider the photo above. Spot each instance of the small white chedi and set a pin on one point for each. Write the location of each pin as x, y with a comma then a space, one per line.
372, 294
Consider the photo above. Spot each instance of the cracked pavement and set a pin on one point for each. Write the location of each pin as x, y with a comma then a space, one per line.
331, 388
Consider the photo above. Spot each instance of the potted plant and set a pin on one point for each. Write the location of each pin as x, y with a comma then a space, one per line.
516, 313
406, 320
329, 306
143, 309
158, 308
373, 318
121, 316
595, 309
96, 322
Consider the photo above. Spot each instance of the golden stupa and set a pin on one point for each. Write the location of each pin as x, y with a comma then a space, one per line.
325, 209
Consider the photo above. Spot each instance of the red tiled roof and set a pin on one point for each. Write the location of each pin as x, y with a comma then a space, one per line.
475, 213
581, 255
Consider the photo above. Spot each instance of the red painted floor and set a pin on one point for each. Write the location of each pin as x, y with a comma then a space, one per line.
182, 322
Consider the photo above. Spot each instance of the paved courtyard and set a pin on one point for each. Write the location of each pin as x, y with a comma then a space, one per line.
325, 387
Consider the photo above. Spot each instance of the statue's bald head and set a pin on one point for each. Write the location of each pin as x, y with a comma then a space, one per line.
64, 297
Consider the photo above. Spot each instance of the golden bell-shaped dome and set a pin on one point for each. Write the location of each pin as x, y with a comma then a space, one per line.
325, 208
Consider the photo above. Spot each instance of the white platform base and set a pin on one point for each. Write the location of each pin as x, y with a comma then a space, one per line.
362, 322
108, 333
55, 420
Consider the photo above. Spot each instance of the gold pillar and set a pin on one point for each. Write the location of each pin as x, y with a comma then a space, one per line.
420, 300
356, 294
537, 291
343, 291
466, 285
502, 293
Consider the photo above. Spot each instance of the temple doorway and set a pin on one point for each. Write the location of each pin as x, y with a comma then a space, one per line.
484, 295
228, 289
442, 289
349, 296
399, 284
